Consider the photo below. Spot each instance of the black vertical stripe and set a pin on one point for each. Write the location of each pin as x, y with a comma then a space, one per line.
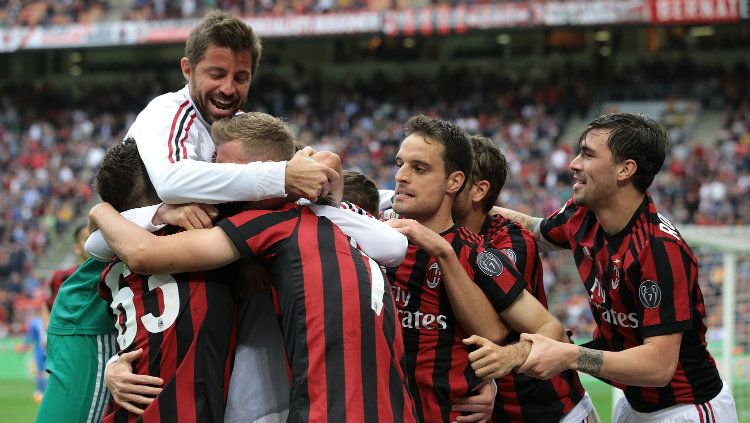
184, 324
151, 305
368, 345
178, 134
168, 402
291, 291
397, 382
333, 320
443, 357
411, 337
212, 349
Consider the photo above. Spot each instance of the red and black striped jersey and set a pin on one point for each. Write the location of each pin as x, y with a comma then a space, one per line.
642, 282
521, 398
437, 360
185, 324
56, 281
339, 321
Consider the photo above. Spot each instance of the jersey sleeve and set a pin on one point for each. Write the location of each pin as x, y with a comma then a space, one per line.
663, 301
96, 246
497, 276
168, 138
255, 233
377, 239
556, 227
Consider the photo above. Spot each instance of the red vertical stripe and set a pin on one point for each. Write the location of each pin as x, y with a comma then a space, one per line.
184, 137
711, 409
382, 371
351, 325
171, 131
185, 387
316, 337
700, 412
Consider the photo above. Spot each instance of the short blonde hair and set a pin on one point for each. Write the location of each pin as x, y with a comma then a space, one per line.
262, 135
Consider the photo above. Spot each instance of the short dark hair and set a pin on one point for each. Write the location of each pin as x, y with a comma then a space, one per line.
222, 29
457, 153
80, 228
489, 165
634, 137
361, 190
122, 179
262, 135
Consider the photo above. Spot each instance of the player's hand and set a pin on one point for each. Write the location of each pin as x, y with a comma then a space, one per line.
427, 239
306, 178
491, 361
129, 389
102, 207
335, 189
479, 406
188, 216
546, 357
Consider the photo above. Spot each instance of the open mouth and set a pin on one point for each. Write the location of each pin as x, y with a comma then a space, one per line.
224, 105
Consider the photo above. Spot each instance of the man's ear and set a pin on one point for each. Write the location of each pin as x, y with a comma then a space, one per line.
480, 191
455, 182
187, 71
627, 170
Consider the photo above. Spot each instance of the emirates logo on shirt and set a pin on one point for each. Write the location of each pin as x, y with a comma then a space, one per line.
433, 276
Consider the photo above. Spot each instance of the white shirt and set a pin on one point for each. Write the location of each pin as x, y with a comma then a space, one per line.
175, 144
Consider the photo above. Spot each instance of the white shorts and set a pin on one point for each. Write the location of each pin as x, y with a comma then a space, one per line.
583, 412
720, 409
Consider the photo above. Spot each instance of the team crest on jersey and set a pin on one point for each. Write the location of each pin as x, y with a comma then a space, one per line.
649, 294
510, 253
433, 276
489, 263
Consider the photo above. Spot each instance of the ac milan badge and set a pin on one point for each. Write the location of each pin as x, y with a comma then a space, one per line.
433, 276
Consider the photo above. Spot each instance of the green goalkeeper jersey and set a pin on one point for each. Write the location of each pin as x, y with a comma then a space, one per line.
78, 308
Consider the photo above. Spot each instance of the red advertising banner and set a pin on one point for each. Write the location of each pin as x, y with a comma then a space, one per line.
694, 11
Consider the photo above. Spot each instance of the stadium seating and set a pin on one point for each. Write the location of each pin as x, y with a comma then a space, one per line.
49, 151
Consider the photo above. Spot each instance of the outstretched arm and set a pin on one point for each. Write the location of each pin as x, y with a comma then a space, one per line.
532, 224
650, 364
146, 253
152, 218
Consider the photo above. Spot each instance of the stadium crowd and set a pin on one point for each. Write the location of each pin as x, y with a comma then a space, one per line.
49, 12
50, 151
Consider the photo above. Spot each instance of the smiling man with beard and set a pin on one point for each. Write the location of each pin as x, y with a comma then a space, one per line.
173, 132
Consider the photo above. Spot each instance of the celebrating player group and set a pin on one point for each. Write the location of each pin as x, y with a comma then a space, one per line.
237, 276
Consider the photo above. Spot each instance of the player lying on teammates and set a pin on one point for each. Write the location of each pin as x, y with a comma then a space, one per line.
450, 284
642, 280
328, 294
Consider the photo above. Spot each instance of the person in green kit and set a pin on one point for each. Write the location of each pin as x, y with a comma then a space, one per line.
81, 336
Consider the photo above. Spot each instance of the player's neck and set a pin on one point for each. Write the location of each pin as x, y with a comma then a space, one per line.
474, 220
619, 210
439, 222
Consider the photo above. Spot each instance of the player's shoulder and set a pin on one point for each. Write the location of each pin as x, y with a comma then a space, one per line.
657, 232
467, 237
284, 212
163, 106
